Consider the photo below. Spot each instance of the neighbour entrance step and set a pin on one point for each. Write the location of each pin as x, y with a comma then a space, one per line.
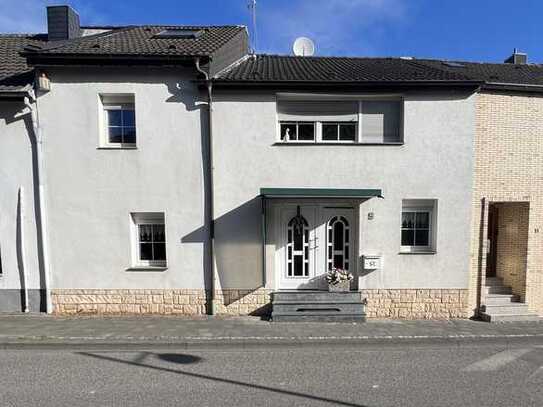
313, 305
502, 305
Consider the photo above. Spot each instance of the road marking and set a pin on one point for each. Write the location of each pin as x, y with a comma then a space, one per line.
496, 361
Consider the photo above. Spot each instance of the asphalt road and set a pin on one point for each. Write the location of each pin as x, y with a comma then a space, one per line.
472, 375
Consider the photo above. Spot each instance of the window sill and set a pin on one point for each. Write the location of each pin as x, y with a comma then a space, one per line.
147, 268
117, 147
425, 252
312, 143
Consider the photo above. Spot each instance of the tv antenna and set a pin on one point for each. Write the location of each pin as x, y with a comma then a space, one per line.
303, 47
252, 9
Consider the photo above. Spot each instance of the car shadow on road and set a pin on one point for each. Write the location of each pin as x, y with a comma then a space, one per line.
179, 358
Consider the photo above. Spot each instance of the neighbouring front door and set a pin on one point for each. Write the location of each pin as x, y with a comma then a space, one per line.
315, 239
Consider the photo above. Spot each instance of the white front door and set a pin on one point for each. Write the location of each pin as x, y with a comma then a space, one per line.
314, 239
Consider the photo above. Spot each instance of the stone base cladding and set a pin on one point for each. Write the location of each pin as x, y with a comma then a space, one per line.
416, 303
158, 301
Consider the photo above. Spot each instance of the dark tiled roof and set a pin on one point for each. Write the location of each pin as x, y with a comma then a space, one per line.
271, 68
141, 41
525, 74
15, 74
275, 68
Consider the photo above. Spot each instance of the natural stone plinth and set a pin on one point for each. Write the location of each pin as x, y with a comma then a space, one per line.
416, 303
158, 301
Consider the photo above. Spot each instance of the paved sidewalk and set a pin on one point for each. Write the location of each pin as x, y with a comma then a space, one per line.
40, 330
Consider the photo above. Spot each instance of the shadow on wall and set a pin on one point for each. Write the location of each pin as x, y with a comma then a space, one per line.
238, 251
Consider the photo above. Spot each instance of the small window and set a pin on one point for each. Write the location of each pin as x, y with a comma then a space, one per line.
418, 226
339, 132
297, 131
119, 121
149, 237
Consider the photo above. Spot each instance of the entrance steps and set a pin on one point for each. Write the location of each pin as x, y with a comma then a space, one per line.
316, 306
502, 305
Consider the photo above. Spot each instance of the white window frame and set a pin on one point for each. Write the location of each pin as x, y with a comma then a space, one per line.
359, 123
431, 210
297, 123
108, 102
146, 218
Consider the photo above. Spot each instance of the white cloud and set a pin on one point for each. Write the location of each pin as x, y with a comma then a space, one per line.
336, 26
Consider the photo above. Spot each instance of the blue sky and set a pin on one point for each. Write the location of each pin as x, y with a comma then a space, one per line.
478, 30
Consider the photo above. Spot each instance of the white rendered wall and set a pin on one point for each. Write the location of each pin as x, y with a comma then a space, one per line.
91, 192
436, 162
16, 170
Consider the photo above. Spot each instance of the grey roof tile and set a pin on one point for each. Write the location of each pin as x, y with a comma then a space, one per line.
142, 41
15, 74
280, 68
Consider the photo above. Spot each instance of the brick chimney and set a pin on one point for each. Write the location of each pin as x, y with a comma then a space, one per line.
518, 58
62, 23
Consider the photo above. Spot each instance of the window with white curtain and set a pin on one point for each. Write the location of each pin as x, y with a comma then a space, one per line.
418, 225
373, 121
149, 239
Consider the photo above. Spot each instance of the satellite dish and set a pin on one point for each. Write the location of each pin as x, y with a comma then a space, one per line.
303, 47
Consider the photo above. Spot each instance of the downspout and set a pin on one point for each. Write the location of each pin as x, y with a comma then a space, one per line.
38, 136
208, 195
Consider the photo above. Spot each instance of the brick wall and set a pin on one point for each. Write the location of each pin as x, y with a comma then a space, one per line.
509, 168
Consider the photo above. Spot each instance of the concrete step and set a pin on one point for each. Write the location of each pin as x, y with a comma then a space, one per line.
315, 317
315, 296
314, 305
311, 307
501, 299
493, 281
508, 309
498, 289
509, 317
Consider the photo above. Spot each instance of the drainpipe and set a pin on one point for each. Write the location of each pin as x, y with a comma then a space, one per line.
22, 243
208, 195
38, 136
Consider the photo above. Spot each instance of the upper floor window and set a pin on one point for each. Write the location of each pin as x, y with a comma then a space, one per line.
340, 121
118, 121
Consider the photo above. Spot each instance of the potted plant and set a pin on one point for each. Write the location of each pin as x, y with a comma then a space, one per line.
339, 280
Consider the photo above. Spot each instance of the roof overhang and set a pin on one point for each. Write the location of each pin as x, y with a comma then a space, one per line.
36, 59
320, 193
353, 86
11, 95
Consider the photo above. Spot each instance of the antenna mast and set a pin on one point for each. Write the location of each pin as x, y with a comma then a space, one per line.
252, 8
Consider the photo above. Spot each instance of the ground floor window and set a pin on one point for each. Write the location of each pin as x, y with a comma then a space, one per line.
418, 225
149, 237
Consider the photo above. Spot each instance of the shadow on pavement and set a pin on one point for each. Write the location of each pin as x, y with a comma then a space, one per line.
189, 359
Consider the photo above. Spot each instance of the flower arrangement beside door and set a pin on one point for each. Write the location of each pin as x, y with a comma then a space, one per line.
339, 280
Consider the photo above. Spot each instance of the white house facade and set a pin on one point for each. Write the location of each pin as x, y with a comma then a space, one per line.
166, 170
